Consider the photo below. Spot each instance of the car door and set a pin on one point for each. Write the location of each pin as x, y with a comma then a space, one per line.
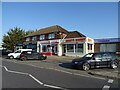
34, 55
17, 54
106, 58
28, 55
98, 60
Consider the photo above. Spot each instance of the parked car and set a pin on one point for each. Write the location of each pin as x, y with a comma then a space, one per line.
17, 53
32, 55
6, 52
96, 60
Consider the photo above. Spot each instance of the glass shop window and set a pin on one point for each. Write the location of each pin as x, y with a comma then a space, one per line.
70, 48
44, 48
89, 46
79, 48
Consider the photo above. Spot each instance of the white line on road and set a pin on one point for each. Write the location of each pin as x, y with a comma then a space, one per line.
5, 68
36, 79
51, 86
106, 87
110, 81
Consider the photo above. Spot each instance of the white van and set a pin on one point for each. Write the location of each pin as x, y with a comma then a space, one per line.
17, 53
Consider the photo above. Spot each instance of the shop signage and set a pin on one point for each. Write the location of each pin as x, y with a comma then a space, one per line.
49, 42
107, 40
72, 40
81, 39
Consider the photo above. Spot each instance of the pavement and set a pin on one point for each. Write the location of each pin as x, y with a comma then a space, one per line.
103, 72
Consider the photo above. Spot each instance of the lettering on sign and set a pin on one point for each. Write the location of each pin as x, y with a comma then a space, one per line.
81, 39
71, 40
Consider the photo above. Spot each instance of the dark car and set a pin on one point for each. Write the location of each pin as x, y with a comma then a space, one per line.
96, 60
6, 52
25, 55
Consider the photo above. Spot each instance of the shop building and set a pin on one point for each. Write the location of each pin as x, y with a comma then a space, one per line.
55, 40
107, 45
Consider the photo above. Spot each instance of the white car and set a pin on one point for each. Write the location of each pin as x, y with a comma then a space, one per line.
17, 53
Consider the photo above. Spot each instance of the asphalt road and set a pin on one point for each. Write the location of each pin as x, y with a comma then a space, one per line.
17, 75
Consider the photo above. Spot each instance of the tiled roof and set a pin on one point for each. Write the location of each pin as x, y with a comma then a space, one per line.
48, 30
74, 34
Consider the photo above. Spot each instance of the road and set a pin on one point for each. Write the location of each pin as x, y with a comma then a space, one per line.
17, 75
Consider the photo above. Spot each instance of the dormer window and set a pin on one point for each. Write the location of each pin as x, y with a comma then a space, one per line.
34, 38
28, 39
52, 35
42, 37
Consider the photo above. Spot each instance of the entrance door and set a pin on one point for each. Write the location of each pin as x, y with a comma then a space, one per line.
54, 49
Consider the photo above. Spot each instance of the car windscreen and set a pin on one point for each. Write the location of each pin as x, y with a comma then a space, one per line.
88, 56
18, 51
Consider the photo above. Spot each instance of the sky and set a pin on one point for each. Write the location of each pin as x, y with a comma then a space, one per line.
96, 20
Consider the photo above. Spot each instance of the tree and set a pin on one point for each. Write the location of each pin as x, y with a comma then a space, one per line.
13, 37
28, 32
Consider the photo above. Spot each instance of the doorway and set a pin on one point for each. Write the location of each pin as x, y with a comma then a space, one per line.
55, 49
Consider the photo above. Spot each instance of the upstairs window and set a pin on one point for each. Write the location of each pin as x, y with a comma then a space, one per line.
34, 38
27, 39
52, 35
42, 37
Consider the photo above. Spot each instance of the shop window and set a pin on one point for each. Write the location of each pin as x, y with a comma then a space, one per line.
44, 48
89, 46
106, 56
52, 35
79, 48
34, 38
108, 47
42, 37
70, 47
28, 39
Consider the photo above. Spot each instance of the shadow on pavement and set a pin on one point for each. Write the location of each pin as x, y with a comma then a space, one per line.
67, 65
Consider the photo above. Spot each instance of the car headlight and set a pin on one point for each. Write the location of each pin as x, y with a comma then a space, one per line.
44, 55
76, 62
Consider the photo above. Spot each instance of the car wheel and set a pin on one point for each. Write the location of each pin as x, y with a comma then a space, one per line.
43, 58
86, 66
11, 57
114, 65
23, 58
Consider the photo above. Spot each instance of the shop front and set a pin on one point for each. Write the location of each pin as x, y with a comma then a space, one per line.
107, 45
77, 46
67, 47
49, 47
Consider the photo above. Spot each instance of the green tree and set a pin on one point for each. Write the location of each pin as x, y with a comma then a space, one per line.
13, 37
28, 32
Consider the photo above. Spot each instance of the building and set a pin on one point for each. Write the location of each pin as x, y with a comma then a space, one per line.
107, 45
55, 40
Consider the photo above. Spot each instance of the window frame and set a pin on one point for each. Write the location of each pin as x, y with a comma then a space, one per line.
27, 39
34, 38
42, 37
51, 35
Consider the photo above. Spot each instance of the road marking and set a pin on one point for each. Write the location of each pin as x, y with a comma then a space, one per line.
5, 68
106, 87
110, 81
13, 71
36, 79
51, 86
